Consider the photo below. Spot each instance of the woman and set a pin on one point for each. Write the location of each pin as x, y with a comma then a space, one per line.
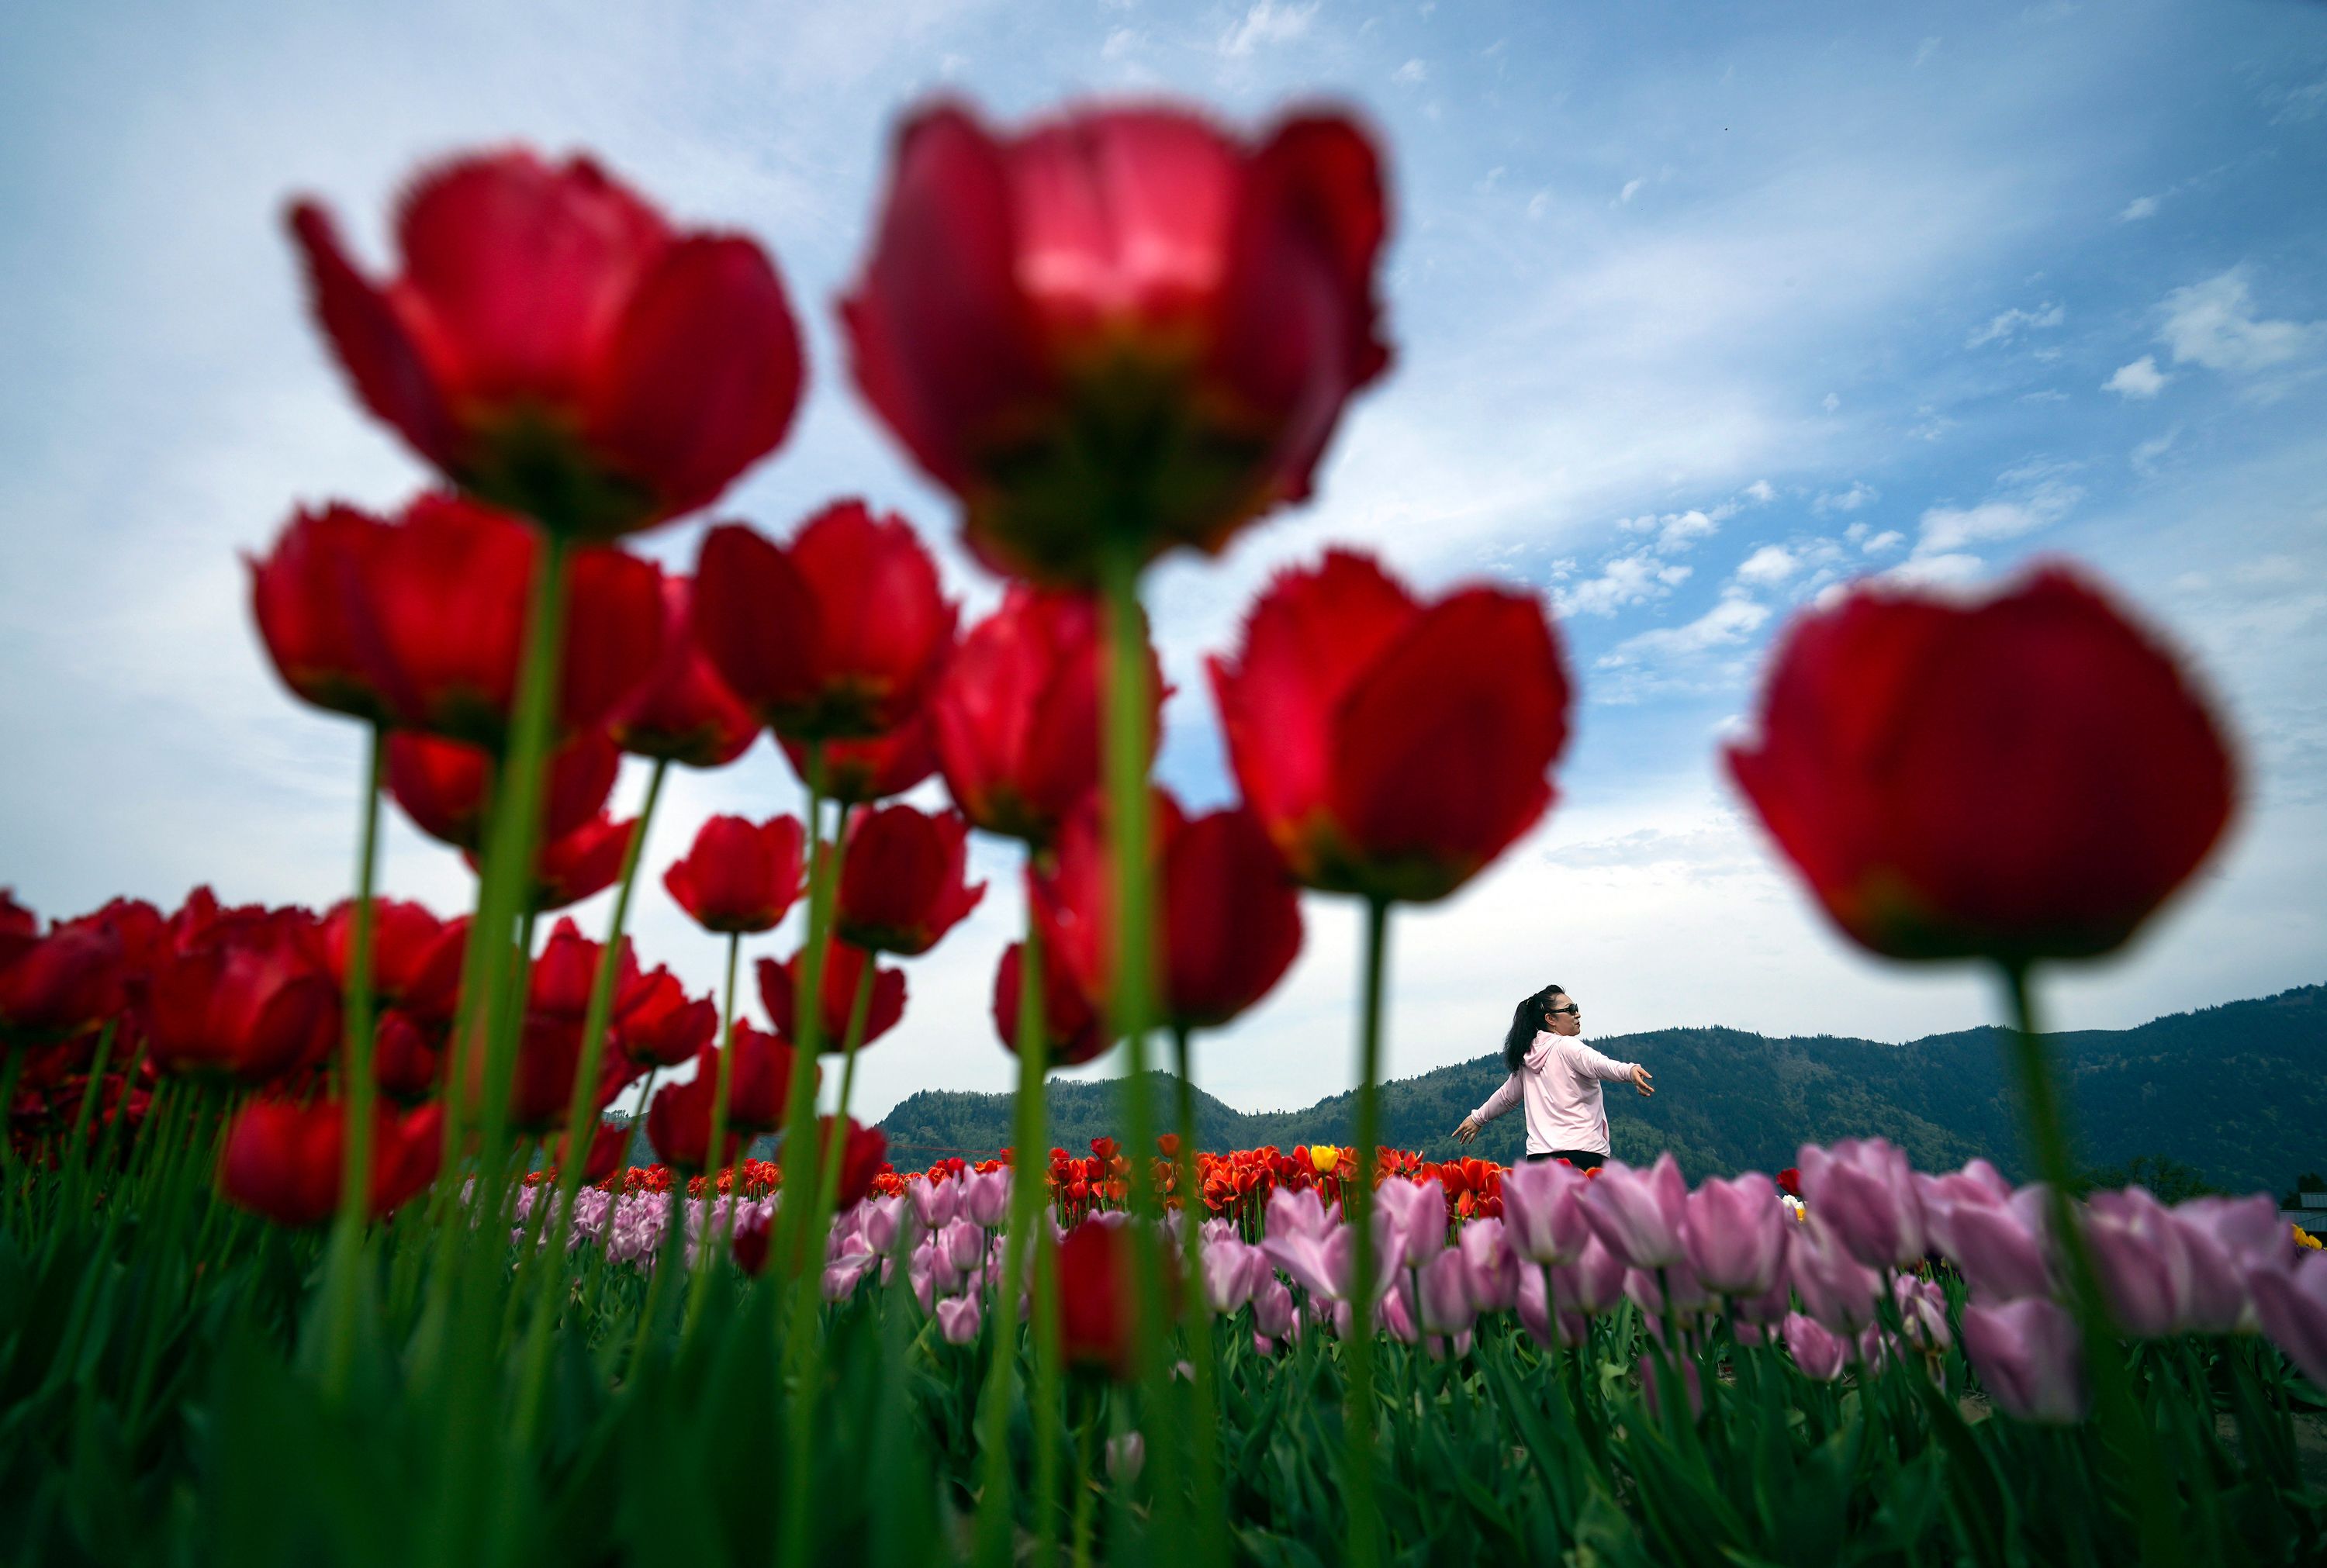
1558, 1076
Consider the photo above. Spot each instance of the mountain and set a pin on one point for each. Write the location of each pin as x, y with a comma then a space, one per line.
2238, 1092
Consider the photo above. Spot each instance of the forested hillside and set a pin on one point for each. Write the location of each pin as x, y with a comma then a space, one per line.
2238, 1091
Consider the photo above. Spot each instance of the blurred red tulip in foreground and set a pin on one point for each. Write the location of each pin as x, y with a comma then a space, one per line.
285, 1160
1122, 320
903, 880
2025, 777
1392, 747
843, 964
551, 344
683, 712
739, 875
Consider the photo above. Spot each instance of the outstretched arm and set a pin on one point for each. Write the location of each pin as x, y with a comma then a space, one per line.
1501, 1100
1593, 1062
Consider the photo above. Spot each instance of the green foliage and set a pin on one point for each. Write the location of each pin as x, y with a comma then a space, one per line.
2233, 1091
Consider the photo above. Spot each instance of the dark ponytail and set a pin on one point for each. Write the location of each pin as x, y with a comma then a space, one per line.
1525, 1024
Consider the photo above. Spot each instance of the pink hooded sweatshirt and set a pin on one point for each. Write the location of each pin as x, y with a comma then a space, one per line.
1560, 1081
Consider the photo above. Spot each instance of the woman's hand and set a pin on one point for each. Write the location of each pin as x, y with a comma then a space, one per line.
1641, 1076
1467, 1131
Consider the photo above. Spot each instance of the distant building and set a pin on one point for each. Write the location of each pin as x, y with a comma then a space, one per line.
2309, 1212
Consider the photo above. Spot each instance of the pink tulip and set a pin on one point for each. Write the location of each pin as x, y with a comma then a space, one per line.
883, 1218
1865, 1188
1446, 1306
1771, 1305
1923, 1311
2142, 1261
1396, 1313
840, 1279
1227, 1275
958, 1319
2292, 1304
1678, 1284
1594, 1282
2001, 1248
1319, 1263
2027, 1355
1639, 1215
1417, 1212
936, 1202
1542, 1206
1126, 1456
1303, 1213
1820, 1354
985, 1197
1536, 1319
1736, 1235
1492, 1268
1835, 1288
964, 1245
2248, 1228
1271, 1310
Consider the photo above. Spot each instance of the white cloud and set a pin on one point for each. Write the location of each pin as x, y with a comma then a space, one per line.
2145, 455
1727, 623
1946, 530
1268, 22
1760, 493
1830, 401
2009, 324
2138, 381
1626, 579
1412, 73
1769, 566
1888, 540
2139, 208
2212, 323
1858, 495
1924, 50
1631, 189
1120, 43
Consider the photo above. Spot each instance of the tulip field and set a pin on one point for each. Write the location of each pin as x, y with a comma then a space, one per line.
320, 1240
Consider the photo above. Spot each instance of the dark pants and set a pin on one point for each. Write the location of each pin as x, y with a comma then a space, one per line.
1582, 1158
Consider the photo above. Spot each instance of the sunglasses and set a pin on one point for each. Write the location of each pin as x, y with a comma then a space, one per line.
1571, 1009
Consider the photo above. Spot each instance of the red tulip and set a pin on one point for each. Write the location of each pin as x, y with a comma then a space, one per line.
1071, 1031
285, 1160
407, 1058
77, 976
863, 1156
603, 1157
20, 927
1228, 919
571, 868
559, 981
902, 882
299, 596
435, 992
1095, 1296
552, 345
250, 1000
678, 1123
404, 937
779, 985
1124, 319
2025, 777
739, 875
859, 772
445, 787
1016, 713
658, 1024
1391, 748
439, 625
684, 712
837, 636
548, 1055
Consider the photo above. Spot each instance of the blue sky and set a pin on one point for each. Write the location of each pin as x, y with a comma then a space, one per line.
1697, 314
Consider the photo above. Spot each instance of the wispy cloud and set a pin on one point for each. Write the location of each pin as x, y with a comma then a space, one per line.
2138, 381
2213, 323
2009, 324
1268, 22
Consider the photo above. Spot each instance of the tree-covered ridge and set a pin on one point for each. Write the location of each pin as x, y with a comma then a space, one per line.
2238, 1091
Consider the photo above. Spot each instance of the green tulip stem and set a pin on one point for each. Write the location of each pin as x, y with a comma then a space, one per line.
581, 1111
1357, 1206
1207, 1497
994, 1517
800, 1253
827, 1189
358, 1094
2122, 1422
1130, 857
712, 1161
